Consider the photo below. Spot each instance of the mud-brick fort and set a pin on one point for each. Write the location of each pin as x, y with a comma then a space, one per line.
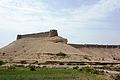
50, 33
53, 33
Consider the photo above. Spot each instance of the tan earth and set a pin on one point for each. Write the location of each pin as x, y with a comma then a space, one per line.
30, 48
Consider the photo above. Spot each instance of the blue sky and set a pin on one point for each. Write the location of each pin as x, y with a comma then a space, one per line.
81, 21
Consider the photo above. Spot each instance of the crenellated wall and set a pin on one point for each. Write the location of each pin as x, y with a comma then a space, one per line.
50, 33
94, 46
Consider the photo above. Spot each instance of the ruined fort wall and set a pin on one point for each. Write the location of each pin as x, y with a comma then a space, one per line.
94, 46
50, 33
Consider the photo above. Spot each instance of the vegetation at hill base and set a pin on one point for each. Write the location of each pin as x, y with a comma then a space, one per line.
33, 73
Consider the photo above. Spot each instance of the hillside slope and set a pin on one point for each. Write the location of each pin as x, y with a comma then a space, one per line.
29, 48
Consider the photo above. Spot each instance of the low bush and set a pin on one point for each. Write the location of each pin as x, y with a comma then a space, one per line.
23, 62
76, 67
36, 62
1, 62
44, 66
32, 68
61, 54
20, 65
12, 67
61, 63
89, 70
86, 57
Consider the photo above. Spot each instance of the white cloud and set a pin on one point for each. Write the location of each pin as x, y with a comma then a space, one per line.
93, 12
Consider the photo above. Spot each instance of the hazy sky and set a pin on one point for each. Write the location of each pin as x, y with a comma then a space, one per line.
81, 21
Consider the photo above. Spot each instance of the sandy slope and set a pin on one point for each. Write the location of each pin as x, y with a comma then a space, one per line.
31, 46
103, 54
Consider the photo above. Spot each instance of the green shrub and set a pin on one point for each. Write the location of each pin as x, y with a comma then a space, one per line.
1, 62
61, 54
44, 66
32, 68
20, 65
89, 70
76, 67
36, 62
61, 63
23, 62
12, 67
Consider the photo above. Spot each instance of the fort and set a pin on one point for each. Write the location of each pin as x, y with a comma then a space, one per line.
94, 46
50, 33
53, 33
